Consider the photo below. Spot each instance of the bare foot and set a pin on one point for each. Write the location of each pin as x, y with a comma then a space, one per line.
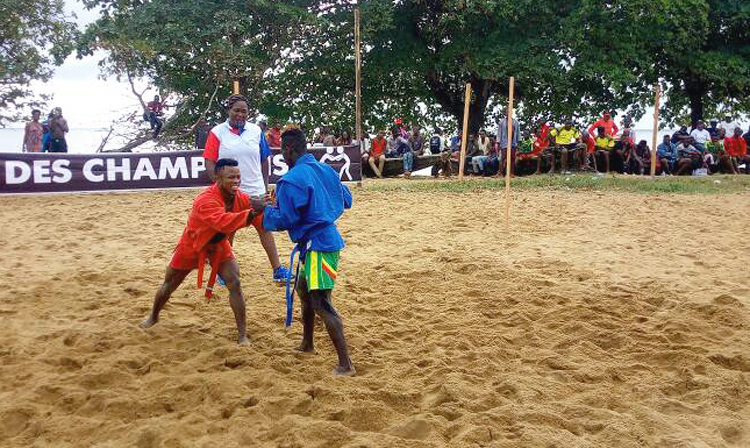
344, 371
149, 322
243, 340
305, 348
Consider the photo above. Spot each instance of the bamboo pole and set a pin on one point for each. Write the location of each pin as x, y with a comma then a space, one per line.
236, 87
465, 136
509, 118
358, 75
655, 139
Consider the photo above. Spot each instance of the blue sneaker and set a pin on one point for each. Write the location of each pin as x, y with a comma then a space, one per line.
280, 274
220, 280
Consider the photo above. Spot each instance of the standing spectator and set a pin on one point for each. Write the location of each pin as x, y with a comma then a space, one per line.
627, 124
344, 139
377, 154
416, 141
502, 138
33, 133
736, 149
666, 154
610, 128
274, 135
728, 125
747, 137
700, 136
58, 128
47, 136
155, 110
201, 133
437, 143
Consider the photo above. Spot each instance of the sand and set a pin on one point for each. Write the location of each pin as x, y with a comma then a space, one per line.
599, 320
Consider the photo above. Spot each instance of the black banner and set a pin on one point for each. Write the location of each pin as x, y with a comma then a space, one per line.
55, 172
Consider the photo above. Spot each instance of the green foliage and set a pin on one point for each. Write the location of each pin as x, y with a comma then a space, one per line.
35, 35
582, 183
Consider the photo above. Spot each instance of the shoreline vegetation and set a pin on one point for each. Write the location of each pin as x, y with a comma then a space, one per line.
716, 184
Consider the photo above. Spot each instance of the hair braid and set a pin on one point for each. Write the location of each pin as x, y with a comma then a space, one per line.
229, 102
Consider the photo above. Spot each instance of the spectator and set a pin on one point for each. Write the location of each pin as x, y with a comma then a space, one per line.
33, 133
456, 141
621, 154
610, 128
502, 138
201, 133
377, 154
398, 147
700, 136
680, 135
715, 154
567, 139
328, 139
485, 151
344, 139
627, 124
155, 110
443, 164
666, 154
747, 137
58, 128
437, 143
640, 159
47, 136
728, 125
689, 158
472, 150
541, 143
714, 129
736, 150
605, 144
273, 136
416, 141
587, 155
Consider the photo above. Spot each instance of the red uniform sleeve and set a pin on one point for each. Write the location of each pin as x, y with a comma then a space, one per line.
615, 129
211, 152
213, 213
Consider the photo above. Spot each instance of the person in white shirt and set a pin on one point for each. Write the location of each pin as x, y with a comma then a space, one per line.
700, 136
728, 125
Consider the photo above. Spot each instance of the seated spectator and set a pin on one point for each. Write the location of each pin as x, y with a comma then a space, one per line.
437, 143
640, 159
376, 157
736, 150
666, 155
456, 141
605, 144
527, 158
610, 128
567, 140
322, 137
479, 161
444, 165
484, 142
689, 158
680, 135
398, 147
472, 150
629, 134
715, 156
587, 156
621, 153
344, 139
416, 141
700, 136
714, 129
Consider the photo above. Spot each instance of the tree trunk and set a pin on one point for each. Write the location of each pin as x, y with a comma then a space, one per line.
452, 100
696, 108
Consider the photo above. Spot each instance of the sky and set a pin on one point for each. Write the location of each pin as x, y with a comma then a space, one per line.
87, 101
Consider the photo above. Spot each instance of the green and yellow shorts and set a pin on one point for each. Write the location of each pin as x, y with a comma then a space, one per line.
320, 269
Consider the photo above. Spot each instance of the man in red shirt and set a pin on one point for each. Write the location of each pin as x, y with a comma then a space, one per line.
377, 154
155, 111
610, 128
217, 212
736, 151
587, 155
274, 135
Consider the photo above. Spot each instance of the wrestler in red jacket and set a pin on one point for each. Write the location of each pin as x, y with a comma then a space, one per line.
218, 212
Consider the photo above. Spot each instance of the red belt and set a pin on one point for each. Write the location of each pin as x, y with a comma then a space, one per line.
215, 259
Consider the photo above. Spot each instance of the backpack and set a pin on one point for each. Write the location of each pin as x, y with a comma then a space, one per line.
435, 144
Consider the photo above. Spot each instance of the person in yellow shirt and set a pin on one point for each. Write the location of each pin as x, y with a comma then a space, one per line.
604, 144
567, 143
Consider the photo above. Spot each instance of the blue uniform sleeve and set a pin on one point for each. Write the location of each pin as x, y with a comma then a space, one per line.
286, 214
265, 151
347, 196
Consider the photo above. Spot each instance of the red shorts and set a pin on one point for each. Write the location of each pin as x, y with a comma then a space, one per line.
185, 258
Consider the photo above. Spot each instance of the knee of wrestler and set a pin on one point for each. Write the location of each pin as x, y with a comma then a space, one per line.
232, 281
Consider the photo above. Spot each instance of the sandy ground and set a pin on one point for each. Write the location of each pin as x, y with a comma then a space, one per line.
599, 320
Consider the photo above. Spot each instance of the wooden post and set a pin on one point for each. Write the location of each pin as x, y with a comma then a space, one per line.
358, 75
236, 87
655, 139
465, 136
509, 118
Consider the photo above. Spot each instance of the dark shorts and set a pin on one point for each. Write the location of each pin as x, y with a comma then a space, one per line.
58, 145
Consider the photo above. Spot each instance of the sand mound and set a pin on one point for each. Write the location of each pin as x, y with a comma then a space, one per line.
602, 320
